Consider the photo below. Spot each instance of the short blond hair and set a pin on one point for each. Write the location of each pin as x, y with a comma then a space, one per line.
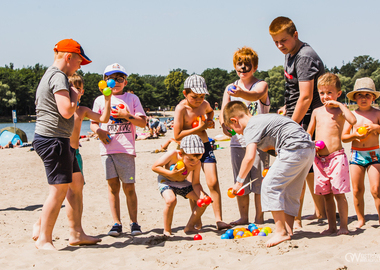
76, 80
329, 79
234, 109
246, 54
281, 24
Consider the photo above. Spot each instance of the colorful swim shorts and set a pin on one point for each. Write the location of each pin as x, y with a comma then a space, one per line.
365, 156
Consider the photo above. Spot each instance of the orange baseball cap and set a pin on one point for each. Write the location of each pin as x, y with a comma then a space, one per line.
70, 45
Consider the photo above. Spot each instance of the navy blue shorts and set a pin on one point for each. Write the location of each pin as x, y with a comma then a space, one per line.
58, 157
208, 155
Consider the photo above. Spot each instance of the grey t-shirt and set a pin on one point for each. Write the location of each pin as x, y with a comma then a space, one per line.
305, 65
273, 131
50, 122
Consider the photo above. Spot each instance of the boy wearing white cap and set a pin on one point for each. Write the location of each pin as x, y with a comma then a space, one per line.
189, 119
117, 146
365, 151
173, 168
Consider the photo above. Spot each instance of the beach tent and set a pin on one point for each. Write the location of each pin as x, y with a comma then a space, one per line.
6, 137
19, 132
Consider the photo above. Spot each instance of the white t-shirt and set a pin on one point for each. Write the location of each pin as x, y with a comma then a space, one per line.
254, 107
122, 131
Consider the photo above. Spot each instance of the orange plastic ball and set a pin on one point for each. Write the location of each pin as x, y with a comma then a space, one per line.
236, 231
230, 193
265, 171
362, 130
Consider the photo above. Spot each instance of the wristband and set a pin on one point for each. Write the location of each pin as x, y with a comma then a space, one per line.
239, 180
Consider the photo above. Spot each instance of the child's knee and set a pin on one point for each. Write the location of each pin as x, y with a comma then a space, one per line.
171, 202
129, 189
375, 192
358, 191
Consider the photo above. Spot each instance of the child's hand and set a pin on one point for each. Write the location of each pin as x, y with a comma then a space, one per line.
371, 127
104, 136
210, 123
235, 92
282, 110
120, 112
360, 137
236, 187
332, 103
176, 175
225, 130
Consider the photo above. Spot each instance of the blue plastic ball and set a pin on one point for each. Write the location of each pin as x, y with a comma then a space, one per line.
225, 236
172, 167
111, 83
230, 233
240, 233
262, 234
252, 227
231, 88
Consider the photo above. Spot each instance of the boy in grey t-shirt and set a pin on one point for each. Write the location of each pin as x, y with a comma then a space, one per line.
282, 186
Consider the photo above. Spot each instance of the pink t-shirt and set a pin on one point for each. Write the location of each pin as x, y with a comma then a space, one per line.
122, 131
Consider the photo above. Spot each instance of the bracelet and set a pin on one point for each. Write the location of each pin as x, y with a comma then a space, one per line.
239, 180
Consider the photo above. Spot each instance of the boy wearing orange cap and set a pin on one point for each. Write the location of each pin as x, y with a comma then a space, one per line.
56, 102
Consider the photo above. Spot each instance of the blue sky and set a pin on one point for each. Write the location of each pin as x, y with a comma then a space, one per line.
154, 37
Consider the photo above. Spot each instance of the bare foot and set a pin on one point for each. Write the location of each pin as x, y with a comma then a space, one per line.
297, 224
220, 225
259, 220
343, 231
312, 217
360, 223
83, 240
277, 239
198, 226
168, 234
189, 230
45, 245
241, 221
329, 231
36, 231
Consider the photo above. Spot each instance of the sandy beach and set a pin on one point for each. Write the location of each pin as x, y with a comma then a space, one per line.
24, 189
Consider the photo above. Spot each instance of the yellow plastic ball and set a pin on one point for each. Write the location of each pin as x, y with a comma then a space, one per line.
102, 84
268, 229
180, 165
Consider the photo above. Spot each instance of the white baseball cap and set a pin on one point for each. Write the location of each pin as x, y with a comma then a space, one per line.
197, 84
192, 144
114, 68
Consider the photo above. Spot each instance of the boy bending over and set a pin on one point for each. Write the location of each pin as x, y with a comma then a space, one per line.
332, 178
282, 186
173, 182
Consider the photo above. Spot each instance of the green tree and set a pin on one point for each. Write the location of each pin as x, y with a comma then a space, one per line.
375, 76
348, 70
174, 85
276, 86
216, 80
346, 86
91, 88
7, 97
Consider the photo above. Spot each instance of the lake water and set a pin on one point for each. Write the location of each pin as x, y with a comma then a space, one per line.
29, 128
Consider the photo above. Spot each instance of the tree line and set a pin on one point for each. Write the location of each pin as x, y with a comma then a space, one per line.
18, 86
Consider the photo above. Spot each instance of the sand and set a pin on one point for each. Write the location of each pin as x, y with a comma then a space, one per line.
24, 189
